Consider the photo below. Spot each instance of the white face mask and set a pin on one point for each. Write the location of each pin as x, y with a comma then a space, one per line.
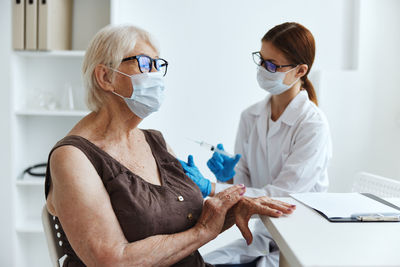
147, 95
273, 82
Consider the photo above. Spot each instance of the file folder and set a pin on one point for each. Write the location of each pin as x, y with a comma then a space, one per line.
55, 24
31, 24
18, 19
350, 207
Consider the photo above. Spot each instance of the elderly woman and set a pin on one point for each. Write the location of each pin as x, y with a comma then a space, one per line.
118, 192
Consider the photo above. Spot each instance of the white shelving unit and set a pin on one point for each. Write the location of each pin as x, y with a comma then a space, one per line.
37, 78
59, 53
52, 113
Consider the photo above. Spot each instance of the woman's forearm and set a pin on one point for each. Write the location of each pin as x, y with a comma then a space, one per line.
162, 250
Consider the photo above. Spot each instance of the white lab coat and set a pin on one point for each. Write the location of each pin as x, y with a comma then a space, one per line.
287, 156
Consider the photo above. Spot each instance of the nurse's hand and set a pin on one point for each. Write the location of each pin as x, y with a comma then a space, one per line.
193, 172
247, 206
223, 166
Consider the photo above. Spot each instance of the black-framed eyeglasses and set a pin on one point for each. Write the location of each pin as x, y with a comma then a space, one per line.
268, 65
146, 63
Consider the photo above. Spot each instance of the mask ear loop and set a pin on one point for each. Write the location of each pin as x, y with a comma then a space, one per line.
293, 83
123, 97
119, 72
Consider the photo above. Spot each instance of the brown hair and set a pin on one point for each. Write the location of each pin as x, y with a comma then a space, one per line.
297, 44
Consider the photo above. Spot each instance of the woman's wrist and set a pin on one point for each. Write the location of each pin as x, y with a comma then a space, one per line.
202, 234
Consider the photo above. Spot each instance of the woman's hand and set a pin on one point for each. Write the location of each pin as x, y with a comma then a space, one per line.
246, 207
212, 219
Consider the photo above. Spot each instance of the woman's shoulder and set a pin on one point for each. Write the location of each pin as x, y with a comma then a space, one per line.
74, 147
71, 140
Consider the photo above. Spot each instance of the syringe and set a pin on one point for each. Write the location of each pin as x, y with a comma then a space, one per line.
212, 148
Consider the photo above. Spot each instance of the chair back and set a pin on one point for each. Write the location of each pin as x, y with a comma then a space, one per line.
53, 236
377, 185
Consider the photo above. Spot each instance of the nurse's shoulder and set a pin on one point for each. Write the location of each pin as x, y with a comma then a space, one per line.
312, 122
311, 115
252, 112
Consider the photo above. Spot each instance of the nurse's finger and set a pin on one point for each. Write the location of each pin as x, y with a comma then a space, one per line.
216, 166
220, 146
217, 157
237, 158
190, 161
184, 165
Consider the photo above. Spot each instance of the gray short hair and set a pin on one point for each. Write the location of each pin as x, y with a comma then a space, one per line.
109, 46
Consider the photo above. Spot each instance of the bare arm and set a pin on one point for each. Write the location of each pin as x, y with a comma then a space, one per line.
83, 206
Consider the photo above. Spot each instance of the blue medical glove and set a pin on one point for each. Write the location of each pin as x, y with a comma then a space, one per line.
223, 166
193, 172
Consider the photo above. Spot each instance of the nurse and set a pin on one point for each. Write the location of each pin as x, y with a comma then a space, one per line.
283, 140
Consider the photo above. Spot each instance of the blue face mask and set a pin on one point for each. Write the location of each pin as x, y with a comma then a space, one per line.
147, 95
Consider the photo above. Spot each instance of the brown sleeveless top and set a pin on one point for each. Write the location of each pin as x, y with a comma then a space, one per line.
143, 209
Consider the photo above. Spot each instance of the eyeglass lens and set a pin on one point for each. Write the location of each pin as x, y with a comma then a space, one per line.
268, 65
271, 67
257, 59
145, 64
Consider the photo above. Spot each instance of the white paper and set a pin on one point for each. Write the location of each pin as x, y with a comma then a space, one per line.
342, 205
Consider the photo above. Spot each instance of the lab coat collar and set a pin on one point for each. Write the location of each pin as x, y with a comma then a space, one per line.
291, 113
294, 109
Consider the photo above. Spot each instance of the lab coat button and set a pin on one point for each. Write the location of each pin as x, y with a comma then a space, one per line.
180, 198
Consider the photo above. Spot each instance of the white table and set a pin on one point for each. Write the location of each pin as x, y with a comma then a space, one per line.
305, 238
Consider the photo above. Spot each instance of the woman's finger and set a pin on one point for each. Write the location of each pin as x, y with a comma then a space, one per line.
243, 225
292, 206
231, 189
267, 200
280, 207
231, 195
265, 210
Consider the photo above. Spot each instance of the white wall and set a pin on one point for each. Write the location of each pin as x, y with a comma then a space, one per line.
380, 37
363, 105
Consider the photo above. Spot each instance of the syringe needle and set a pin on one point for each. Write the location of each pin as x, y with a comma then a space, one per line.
211, 147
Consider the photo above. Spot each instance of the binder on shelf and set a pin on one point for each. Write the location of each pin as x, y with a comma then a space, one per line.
350, 207
55, 24
18, 27
31, 16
